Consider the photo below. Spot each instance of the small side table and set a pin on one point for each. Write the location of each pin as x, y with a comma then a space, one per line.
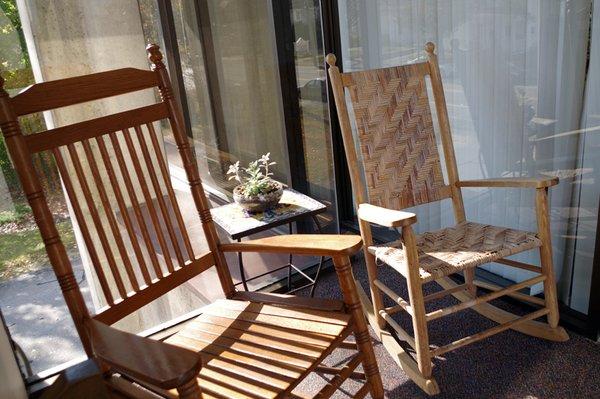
238, 223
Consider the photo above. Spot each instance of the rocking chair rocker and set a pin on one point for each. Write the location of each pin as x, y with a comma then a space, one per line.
249, 345
402, 169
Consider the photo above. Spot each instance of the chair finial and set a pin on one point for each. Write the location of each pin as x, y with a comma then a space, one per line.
155, 56
330, 58
429, 47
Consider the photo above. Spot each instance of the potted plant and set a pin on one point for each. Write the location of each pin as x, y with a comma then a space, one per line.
256, 192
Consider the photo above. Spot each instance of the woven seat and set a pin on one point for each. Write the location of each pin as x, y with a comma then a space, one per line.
450, 250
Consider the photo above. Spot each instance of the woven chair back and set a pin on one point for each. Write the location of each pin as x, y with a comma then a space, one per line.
396, 137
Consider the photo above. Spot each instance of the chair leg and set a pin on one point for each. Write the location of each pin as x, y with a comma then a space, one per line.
541, 202
415, 292
549, 285
404, 360
371, 263
469, 278
420, 327
343, 268
376, 296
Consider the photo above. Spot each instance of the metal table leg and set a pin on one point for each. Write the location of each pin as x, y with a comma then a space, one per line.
290, 259
290, 266
316, 280
241, 266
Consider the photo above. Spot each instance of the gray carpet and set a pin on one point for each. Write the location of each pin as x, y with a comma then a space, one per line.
507, 365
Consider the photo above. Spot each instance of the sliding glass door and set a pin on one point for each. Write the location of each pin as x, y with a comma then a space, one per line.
312, 91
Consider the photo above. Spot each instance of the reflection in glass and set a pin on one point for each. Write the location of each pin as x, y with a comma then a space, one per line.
314, 110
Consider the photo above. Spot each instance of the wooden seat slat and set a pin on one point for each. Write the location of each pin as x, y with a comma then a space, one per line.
248, 370
283, 369
278, 321
338, 318
282, 333
240, 382
321, 304
205, 340
252, 338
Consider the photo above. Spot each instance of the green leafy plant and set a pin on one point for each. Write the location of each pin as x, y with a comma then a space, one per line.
256, 178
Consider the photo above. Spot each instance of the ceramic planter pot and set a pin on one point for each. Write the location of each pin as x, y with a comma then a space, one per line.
260, 202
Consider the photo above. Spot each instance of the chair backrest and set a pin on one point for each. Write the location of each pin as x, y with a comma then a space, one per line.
114, 168
395, 132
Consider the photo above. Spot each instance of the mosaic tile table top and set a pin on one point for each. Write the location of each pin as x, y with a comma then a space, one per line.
238, 223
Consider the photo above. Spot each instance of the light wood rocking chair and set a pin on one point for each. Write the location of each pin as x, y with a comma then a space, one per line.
402, 169
249, 345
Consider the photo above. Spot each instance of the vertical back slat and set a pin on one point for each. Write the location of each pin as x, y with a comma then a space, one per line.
85, 233
165, 172
112, 222
123, 209
159, 195
135, 204
148, 198
87, 194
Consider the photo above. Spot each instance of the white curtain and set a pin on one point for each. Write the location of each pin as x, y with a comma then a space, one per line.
587, 192
514, 76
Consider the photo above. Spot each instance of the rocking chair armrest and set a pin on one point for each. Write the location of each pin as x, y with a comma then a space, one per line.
300, 244
523, 182
385, 217
147, 360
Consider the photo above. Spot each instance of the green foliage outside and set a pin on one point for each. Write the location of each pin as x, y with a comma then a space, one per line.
15, 61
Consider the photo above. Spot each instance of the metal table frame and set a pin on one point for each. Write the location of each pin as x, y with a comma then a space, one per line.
290, 265
312, 281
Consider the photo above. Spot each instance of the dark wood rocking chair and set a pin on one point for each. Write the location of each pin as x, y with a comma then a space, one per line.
402, 169
248, 345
